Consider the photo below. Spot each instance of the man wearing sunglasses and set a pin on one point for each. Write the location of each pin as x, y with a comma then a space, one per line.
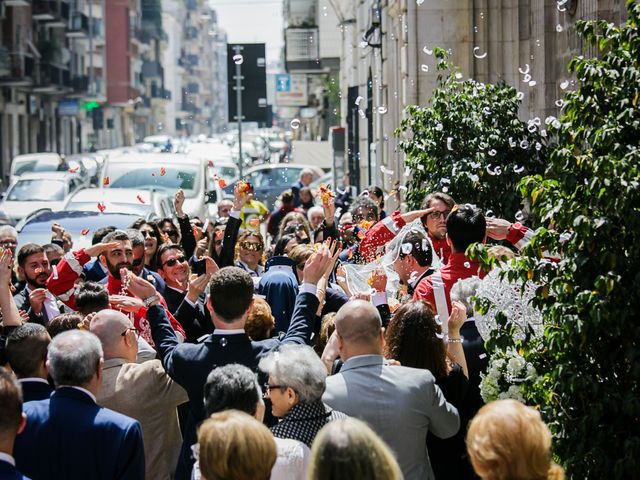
185, 292
114, 253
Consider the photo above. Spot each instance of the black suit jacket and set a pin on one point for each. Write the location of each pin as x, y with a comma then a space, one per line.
195, 320
190, 364
477, 361
34, 390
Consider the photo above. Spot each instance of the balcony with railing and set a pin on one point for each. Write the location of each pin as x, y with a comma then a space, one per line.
16, 69
55, 13
52, 79
78, 26
80, 83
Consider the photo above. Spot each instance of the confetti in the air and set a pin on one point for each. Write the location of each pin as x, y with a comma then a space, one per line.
84, 231
163, 172
105, 181
74, 169
101, 206
140, 199
222, 183
254, 222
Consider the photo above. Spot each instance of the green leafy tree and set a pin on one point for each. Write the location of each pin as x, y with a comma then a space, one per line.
589, 198
470, 143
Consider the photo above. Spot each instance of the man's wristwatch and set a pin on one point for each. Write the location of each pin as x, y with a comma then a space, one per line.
149, 300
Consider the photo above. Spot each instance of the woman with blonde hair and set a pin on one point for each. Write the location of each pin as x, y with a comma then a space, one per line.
235, 446
509, 441
348, 449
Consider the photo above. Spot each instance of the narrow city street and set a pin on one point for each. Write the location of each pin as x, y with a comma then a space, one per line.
319, 239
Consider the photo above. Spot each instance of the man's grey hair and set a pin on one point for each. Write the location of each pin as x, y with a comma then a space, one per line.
74, 357
298, 367
8, 230
315, 209
463, 290
137, 240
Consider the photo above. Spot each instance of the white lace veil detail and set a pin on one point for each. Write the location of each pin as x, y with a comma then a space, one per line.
357, 275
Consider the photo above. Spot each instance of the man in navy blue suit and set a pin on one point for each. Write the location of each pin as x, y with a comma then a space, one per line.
12, 422
68, 436
27, 353
230, 303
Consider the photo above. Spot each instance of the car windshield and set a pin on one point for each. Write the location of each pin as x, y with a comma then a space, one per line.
275, 177
228, 173
35, 165
170, 178
37, 190
140, 209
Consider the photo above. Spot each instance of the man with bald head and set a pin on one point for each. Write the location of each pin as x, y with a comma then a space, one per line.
401, 404
140, 390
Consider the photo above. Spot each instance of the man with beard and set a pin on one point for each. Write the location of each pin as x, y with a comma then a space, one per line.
35, 299
435, 222
114, 253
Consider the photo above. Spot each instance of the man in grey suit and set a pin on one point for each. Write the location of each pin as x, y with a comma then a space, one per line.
401, 404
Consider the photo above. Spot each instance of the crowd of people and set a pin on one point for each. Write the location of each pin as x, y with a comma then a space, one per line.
244, 347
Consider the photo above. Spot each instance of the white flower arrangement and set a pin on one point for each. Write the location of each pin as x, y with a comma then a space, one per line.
505, 374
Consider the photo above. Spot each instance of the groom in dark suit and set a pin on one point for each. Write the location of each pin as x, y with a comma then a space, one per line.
230, 303
68, 435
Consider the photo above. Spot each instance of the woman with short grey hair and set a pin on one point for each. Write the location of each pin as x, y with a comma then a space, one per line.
296, 383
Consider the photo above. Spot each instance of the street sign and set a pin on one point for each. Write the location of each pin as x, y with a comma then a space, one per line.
291, 90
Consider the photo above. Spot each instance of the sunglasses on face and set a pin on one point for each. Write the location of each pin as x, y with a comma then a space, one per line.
254, 247
172, 261
149, 233
171, 233
436, 215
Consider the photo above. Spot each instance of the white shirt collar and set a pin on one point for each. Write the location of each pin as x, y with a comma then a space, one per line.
33, 379
176, 289
5, 457
222, 331
93, 397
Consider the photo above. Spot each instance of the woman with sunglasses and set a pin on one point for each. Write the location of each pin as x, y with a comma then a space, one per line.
152, 239
249, 253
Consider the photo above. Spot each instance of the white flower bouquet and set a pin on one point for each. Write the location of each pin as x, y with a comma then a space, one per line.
506, 372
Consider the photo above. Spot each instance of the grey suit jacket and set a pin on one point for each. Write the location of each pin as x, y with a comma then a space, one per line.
145, 392
401, 404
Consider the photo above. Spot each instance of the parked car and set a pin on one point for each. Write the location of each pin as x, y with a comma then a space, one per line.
81, 225
44, 162
269, 181
144, 203
34, 191
166, 173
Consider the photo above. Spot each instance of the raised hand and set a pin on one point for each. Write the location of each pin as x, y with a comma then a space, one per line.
99, 248
497, 228
126, 303
37, 298
457, 318
197, 284
138, 286
316, 266
378, 280
178, 202
56, 231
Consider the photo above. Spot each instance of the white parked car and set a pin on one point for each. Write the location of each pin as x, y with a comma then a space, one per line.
44, 162
166, 173
218, 158
35, 191
146, 203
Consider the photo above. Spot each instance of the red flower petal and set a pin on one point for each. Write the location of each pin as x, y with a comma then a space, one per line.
140, 199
